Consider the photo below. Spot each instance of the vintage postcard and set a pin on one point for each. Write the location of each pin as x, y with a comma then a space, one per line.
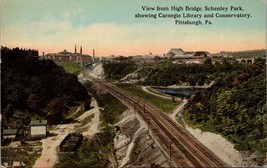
133, 83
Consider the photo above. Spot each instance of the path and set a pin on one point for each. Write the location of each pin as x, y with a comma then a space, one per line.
49, 155
155, 94
177, 110
77, 110
93, 125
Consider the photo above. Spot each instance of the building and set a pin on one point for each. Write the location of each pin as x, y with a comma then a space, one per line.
177, 55
175, 52
200, 54
38, 128
9, 133
66, 56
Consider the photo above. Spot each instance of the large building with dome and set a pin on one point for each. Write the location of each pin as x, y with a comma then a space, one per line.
66, 56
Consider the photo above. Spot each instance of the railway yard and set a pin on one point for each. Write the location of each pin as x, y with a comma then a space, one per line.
182, 149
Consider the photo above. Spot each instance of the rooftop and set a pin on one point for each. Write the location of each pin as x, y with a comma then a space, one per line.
64, 52
175, 51
10, 132
38, 122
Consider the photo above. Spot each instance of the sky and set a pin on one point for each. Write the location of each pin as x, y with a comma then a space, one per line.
110, 27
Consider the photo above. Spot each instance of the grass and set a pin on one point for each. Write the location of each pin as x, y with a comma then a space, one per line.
162, 94
187, 119
71, 67
195, 125
72, 110
112, 107
28, 155
165, 105
179, 120
87, 119
94, 152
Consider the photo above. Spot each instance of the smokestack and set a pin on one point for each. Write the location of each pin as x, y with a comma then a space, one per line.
93, 54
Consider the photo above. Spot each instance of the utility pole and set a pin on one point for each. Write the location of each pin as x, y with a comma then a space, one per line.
134, 108
170, 150
148, 124
144, 108
93, 54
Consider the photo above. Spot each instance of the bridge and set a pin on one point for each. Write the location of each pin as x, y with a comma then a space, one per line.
88, 64
246, 60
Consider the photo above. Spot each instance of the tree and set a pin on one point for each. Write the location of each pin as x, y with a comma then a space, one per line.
192, 80
87, 104
56, 110
33, 102
207, 61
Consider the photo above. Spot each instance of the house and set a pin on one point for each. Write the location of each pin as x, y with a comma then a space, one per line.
9, 133
177, 55
200, 54
175, 52
38, 128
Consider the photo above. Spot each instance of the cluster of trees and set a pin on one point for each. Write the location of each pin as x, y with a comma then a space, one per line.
192, 74
246, 54
236, 108
20, 54
118, 69
36, 86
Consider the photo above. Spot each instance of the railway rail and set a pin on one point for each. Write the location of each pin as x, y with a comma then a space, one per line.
181, 147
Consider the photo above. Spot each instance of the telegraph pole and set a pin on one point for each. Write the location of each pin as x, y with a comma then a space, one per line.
134, 108
170, 150
144, 108
148, 124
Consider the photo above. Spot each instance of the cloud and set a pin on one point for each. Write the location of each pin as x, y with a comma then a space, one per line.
52, 26
127, 39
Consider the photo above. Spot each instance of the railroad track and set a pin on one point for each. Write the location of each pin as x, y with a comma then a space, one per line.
181, 147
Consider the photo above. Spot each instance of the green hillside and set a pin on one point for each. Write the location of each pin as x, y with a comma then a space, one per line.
35, 88
234, 107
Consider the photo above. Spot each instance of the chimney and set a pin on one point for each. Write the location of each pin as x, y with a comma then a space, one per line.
93, 54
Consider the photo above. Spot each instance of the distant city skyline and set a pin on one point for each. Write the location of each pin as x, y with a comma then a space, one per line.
110, 27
